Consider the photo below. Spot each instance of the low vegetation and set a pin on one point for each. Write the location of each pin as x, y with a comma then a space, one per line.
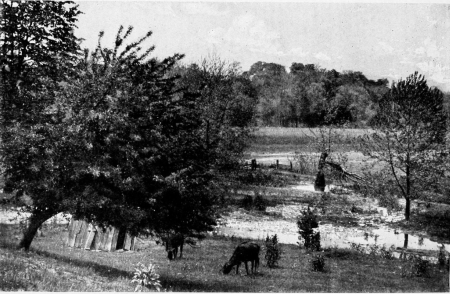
51, 266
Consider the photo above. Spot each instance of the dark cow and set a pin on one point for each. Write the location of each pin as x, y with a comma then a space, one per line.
244, 252
174, 242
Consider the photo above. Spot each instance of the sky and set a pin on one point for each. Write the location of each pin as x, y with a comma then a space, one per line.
381, 40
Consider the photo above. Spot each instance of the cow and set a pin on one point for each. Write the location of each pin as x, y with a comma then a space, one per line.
244, 252
174, 242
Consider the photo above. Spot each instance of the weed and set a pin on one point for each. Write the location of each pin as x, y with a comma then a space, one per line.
146, 276
318, 263
273, 251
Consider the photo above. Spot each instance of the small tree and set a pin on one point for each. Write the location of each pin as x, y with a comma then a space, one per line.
306, 224
410, 136
273, 251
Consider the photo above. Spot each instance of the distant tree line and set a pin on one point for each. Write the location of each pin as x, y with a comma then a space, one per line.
311, 96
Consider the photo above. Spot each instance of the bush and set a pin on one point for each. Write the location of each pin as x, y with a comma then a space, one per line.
318, 263
259, 203
306, 224
273, 251
146, 276
247, 202
442, 256
387, 253
415, 266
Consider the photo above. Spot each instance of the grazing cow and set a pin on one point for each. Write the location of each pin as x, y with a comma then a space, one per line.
174, 242
244, 252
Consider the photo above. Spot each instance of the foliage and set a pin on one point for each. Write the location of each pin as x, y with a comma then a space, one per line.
411, 126
273, 251
415, 266
312, 96
226, 109
38, 52
119, 146
260, 177
259, 202
146, 276
442, 255
387, 253
318, 263
247, 202
307, 224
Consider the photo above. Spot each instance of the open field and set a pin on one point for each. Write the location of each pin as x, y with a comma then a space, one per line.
273, 139
51, 266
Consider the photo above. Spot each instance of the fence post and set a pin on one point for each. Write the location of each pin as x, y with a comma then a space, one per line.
290, 162
278, 164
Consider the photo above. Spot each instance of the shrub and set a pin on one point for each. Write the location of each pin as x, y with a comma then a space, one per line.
273, 251
415, 266
259, 203
387, 253
247, 202
358, 247
146, 276
318, 263
442, 256
306, 224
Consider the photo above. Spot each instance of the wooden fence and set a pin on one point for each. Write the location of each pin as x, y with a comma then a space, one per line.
87, 236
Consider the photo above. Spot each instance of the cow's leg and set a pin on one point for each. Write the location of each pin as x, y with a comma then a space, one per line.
246, 267
252, 266
237, 268
175, 252
181, 250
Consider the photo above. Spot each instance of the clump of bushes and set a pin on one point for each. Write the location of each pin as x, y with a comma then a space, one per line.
258, 202
261, 177
415, 266
307, 222
318, 263
273, 251
247, 202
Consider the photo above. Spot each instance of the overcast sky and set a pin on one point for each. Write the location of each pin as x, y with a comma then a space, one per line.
381, 40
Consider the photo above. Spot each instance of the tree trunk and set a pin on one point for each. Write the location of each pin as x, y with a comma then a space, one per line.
407, 208
319, 183
36, 219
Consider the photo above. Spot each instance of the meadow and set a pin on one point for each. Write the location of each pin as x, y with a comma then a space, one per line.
51, 266
277, 139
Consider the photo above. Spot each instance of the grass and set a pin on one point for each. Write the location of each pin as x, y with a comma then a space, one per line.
273, 139
51, 266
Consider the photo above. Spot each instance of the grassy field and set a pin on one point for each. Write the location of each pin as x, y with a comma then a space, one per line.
51, 266
276, 139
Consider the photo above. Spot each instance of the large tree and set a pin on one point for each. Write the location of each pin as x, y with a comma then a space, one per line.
118, 144
410, 136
